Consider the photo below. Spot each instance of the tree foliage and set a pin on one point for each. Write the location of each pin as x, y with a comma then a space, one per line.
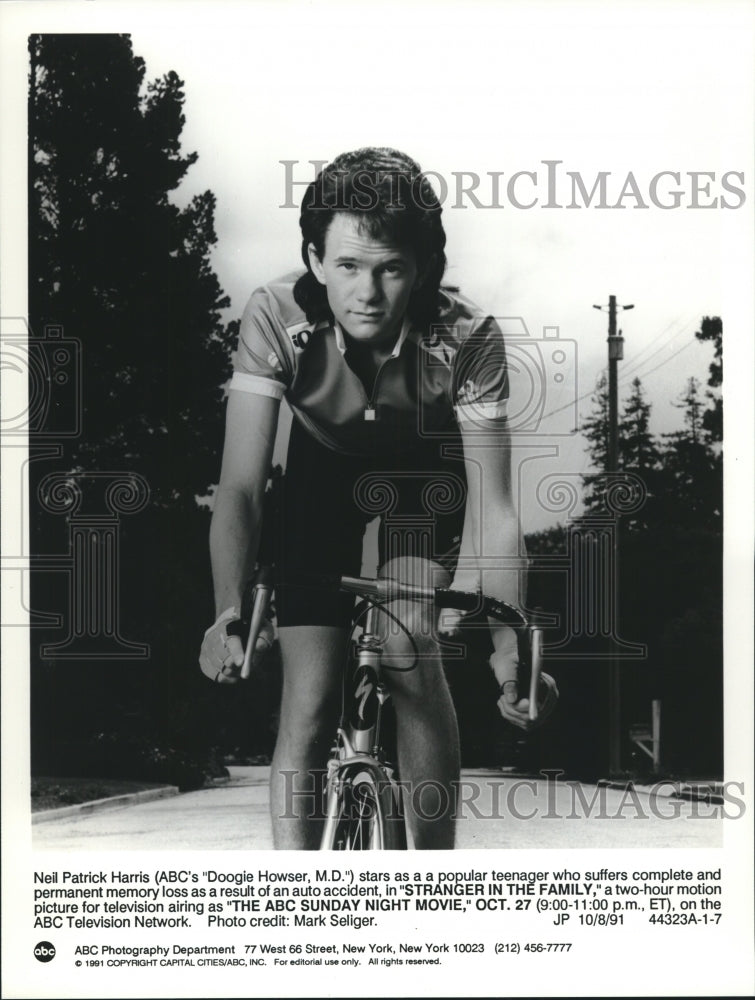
693, 468
121, 267
670, 562
711, 329
595, 429
682, 473
638, 451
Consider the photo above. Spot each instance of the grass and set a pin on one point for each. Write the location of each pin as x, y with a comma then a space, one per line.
52, 793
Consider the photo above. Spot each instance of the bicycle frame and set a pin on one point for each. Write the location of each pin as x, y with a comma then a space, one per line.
358, 758
363, 798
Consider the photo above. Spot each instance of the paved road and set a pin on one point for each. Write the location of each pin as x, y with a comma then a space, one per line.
496, 812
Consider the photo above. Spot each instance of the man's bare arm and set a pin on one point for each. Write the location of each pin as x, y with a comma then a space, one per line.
251, 423
493, 557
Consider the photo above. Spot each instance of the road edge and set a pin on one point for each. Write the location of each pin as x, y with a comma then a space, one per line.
111, 802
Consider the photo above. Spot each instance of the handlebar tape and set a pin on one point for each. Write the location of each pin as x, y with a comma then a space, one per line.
254, 607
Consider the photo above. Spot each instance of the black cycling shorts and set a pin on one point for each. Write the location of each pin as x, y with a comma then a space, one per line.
329, 498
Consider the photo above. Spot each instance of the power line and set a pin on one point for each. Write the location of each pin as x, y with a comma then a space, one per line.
623, 380
573, 402
670, 358
657, 343
637, 364
580, 399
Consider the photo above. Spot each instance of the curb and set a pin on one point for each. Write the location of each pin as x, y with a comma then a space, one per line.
690, 793
702, 793
100, 805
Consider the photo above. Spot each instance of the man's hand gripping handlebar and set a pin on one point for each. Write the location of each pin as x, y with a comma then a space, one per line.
239, 635
518, 657
231, 644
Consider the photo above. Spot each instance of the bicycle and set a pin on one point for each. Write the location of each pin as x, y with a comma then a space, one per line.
363, 797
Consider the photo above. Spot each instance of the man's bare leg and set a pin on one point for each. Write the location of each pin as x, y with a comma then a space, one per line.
312, 661
428, 750
428, 736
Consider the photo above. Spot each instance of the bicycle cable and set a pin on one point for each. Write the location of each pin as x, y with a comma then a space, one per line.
368, 605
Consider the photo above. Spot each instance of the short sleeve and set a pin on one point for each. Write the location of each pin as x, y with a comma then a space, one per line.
260, 363
480, 382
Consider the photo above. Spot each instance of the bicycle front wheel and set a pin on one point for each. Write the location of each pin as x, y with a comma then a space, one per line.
366, 816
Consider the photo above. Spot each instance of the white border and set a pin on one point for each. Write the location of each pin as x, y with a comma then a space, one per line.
682, 972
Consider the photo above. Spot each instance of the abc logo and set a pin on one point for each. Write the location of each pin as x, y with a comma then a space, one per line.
44, 951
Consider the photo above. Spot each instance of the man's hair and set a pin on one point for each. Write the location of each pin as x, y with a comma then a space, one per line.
391, 198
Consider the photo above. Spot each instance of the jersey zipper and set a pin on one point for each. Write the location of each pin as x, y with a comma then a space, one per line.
370, 412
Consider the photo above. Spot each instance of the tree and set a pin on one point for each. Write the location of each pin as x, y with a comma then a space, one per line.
711, 329
120, 267
670, 564
638, 451
123, 269
639, 454
695, 489
595, 429
690, 402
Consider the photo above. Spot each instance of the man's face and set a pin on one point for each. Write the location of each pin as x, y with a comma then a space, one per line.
368, 281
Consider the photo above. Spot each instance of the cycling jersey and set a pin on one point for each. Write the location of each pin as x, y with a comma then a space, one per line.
435, 380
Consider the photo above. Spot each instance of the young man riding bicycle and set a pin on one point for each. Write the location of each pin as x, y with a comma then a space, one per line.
398, 389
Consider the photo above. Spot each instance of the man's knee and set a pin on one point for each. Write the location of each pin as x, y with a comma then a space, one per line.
412, 651
418, 617
409, 630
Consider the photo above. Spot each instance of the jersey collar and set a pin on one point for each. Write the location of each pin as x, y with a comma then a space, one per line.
405, 328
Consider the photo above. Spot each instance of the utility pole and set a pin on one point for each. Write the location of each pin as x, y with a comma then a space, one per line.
615, 354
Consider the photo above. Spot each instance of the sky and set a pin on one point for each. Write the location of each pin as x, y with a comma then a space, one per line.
490, 88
